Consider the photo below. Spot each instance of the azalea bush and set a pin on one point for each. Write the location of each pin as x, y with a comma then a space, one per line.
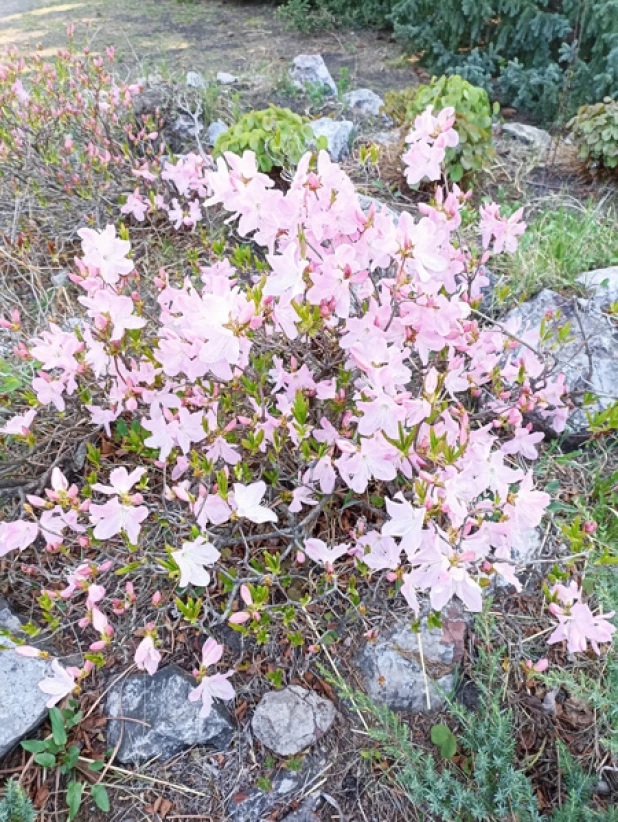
340, 365
69, 139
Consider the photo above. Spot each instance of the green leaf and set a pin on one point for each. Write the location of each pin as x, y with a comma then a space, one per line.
59, 734
97, 765
45, 760
74, 798
100, 797
34, 745
443, 737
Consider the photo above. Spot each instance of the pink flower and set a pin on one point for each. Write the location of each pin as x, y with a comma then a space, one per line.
147, 658
503, 231
384, 553
578, 626
191, 560
136, 206
113, 517
19, 426
121, 481
104, 251
60, 685
318, 551
405, 522
212, 687
17, 535
523, 442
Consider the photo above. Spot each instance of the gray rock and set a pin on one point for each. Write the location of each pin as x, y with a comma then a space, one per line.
186, 127
22, 703
167, 721
215, 130
258, 805
226, 79
537, 138
603, 283
363, 101
392, 670
390, 137
288, 721
338, 135
195, 80
310, 70
589, 360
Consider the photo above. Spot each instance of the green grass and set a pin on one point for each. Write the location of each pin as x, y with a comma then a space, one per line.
560, 243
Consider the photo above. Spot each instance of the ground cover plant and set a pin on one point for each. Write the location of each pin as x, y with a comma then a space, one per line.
303, 412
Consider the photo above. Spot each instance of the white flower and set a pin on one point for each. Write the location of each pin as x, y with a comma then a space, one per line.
58, 686
248, 498
191, 560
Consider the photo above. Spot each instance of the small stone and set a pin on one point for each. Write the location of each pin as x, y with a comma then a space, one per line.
288, 721
538, 138
392, 669
22, 703
310, 70
255, 804
195, 80
226, 79
167, 721
215, 130
338, 135
363, 101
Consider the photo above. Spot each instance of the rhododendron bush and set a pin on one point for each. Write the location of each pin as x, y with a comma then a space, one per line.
348, 370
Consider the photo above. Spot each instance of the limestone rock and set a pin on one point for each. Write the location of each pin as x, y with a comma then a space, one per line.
288, 721
167, 721
603, 285
309, 70
22, 703
225, 79
537, 138
195, 80
589, 360
215, 130
338, 134
363, 101
392, 670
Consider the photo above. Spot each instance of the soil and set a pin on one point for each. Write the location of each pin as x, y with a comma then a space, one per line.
202, 35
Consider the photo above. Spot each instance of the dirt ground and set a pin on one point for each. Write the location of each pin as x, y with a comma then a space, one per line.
203, 35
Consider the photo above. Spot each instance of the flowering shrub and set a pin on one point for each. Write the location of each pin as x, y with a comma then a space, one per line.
348, 370
68, 135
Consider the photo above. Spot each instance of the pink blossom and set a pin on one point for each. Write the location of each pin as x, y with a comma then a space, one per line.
105, 252
115, 517
212, 687
318, 551
147, 658
19, 425
17, 535
503, 231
